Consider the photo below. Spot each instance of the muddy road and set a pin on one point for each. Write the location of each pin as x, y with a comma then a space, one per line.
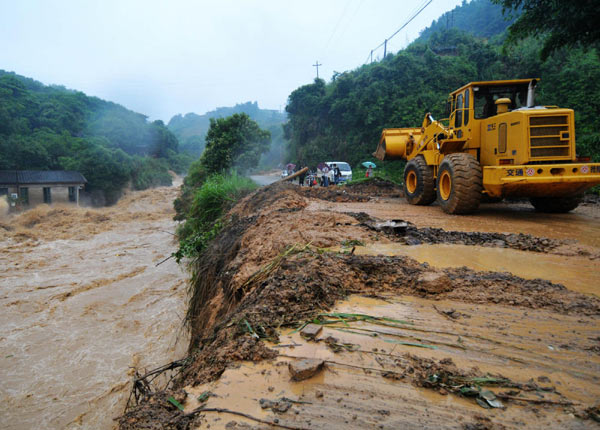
82, 303
489, 321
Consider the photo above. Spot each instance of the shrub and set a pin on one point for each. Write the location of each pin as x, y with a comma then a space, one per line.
204, 219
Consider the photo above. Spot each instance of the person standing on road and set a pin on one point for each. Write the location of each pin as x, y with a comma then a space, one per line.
325, 177
336, 174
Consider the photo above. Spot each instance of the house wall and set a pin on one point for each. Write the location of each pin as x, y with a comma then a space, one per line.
59, 193
11, 189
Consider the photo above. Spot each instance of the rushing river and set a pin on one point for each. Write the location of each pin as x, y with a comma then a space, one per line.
82, 303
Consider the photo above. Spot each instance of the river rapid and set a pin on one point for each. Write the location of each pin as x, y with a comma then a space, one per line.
83, 302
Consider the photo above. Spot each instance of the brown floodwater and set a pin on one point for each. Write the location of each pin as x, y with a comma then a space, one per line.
83, 303
576, 273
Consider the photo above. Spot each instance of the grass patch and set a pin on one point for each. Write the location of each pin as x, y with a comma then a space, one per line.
204, 220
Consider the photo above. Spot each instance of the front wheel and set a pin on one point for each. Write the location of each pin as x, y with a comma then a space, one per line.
459, 184
556, 204
419, 186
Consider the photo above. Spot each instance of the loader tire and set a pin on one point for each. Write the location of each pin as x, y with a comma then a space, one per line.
557, 205
459, 184
419, 188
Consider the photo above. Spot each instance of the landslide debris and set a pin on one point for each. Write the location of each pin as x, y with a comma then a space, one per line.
269, 269
412, 235
361, 191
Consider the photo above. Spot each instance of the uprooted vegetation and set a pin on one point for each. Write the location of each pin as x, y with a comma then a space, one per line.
275, 265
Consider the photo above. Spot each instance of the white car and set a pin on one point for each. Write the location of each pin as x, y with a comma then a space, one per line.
344, 167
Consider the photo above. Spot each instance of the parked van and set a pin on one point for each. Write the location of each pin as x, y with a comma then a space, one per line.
344, 167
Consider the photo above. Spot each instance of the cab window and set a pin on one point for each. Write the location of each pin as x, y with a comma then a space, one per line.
459, 112
466, 107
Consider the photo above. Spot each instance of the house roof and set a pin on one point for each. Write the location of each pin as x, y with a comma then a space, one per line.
38, 177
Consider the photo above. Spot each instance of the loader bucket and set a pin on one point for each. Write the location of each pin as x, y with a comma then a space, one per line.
393, 143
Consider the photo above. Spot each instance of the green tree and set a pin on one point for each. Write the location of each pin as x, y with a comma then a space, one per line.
105, 169
232, 143
161, 140
558, 23
235, 141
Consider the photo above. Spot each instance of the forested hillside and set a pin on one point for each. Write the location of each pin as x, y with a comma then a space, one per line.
478, 18
51, 127
191, 129
343, 119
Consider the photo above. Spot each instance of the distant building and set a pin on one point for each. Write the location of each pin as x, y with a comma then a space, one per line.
28, 188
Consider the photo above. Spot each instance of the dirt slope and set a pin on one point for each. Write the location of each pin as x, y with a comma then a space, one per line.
403, 345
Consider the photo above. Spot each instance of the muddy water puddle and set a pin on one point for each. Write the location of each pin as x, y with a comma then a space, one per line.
353, 391
576, 273
77, 314
581, 225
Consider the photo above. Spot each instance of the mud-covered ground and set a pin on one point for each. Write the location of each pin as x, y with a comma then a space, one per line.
83, 302
432, 322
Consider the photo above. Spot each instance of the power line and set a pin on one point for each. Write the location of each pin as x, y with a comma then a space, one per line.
337, 25
384, 43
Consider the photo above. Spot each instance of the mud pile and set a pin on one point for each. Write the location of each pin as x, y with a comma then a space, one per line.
412, 235
376, 187
277, 264
355, 192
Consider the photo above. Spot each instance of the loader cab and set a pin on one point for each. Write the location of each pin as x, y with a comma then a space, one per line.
459, 107
472, 105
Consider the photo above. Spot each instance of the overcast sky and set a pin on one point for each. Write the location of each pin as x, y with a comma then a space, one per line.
162, 58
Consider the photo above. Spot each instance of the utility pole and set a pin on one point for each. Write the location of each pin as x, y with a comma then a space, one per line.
384, 48
371, 55
317, 66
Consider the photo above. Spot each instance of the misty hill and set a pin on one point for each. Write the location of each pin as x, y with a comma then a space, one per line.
54, 128
343, 119
480, 18
191, 129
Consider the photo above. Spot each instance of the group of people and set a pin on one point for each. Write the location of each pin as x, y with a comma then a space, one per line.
330, 175
324, 177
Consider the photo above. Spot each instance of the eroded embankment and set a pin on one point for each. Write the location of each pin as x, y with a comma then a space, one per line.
250, 285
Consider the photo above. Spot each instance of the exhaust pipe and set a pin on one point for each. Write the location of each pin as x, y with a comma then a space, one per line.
531, 93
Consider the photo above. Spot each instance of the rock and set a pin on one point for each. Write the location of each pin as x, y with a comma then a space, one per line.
311, 331
434, 282
304, 369
280, 405
499, 243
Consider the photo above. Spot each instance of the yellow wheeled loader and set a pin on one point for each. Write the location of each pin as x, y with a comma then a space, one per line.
496, 143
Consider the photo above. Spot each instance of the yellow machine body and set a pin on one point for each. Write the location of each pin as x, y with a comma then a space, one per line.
525, 151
